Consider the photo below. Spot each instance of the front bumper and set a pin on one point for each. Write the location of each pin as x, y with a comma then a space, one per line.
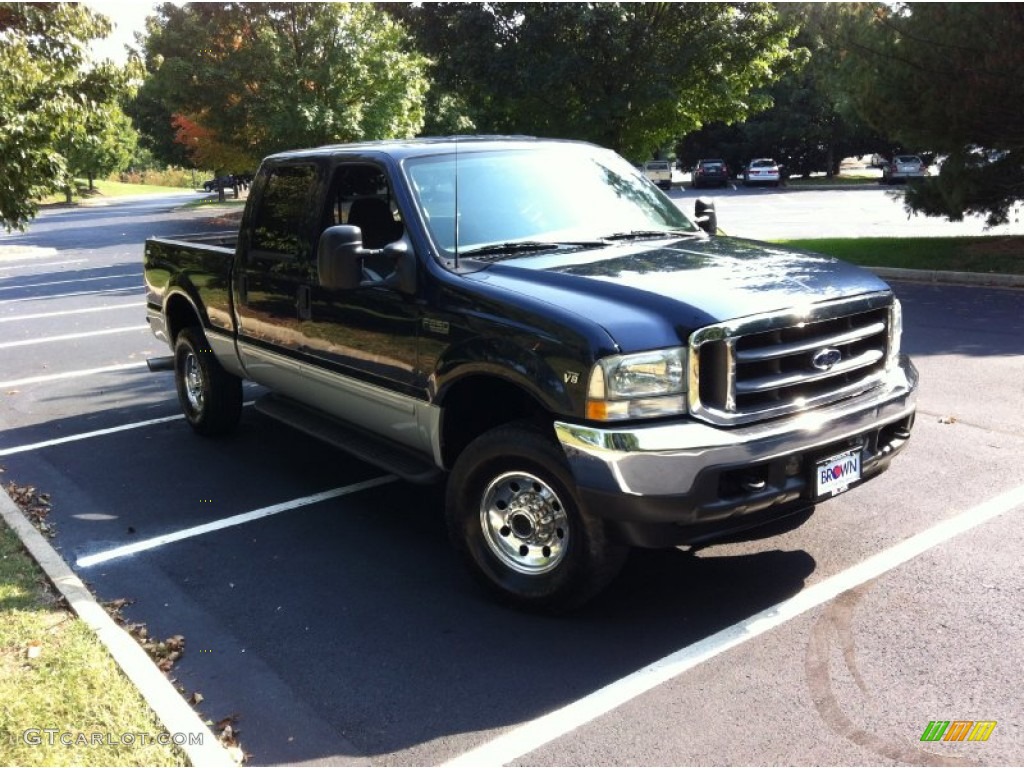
687, 481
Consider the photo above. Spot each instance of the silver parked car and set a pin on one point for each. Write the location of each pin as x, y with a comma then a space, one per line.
902, 168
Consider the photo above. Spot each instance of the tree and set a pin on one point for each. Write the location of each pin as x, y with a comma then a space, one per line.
948, 78
246, 80
103, 143
629, 76
811, 125
47, 93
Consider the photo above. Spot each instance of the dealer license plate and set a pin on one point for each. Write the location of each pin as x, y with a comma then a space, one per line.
834, 475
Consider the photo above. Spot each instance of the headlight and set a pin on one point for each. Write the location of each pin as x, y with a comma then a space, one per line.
638, 386
895, 334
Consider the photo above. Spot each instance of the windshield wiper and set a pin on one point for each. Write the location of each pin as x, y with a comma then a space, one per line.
639, 234
520, 246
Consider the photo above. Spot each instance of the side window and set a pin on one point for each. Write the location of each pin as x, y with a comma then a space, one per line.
282, 225
360, 195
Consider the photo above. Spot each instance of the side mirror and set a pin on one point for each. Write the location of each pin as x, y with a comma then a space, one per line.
704, 213
339, 257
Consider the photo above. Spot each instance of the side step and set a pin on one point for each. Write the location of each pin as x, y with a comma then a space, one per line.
373, 450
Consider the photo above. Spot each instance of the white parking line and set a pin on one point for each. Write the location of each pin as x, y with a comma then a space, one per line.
534, 734
86, 435
68, 295
39, 315
65, 282
36, 265
70, 374
95, 433
71, 336
228, 522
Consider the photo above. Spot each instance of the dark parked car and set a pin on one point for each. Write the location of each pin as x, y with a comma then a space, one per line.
707, 173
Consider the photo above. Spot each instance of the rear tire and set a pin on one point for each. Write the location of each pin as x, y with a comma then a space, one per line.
210, 397
513, 513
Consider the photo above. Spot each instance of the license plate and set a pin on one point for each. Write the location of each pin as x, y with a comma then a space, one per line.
834, 475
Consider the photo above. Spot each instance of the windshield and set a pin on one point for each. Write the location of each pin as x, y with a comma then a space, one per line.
564, 194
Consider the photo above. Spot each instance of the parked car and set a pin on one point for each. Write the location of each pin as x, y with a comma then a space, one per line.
762, 171
903, 168
221, 182
707, 173
660, 172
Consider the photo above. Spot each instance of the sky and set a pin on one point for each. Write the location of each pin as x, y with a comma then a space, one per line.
128, 17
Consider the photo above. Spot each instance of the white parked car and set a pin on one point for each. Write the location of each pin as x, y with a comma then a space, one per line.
903, 168
762, 171
660, 172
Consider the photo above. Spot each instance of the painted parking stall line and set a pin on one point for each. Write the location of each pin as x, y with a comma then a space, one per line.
534, 734
42, 315
86, 435
36, 265
229, 522
66, 282
95, 433
71, 374
98, 292
73, 336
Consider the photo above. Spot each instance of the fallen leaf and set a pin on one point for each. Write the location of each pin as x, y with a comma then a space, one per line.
947, 420
197, 698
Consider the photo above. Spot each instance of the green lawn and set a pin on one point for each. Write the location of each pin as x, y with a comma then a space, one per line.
107, 189
55, 674
998, 254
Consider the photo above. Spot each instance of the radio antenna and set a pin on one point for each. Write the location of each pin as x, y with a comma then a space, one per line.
455, 223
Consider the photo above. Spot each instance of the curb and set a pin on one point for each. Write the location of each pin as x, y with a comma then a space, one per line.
170, 708
956, 278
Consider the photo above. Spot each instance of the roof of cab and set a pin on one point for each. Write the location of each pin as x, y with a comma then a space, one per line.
402, 148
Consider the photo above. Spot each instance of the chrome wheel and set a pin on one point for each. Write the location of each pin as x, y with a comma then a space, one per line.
194, 383
524, 523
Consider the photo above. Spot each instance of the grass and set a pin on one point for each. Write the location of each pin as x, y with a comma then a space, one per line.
994, 254
107, 189
55, 674
206, 202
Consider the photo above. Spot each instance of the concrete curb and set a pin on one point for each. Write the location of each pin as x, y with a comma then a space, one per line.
955, 278
170, 708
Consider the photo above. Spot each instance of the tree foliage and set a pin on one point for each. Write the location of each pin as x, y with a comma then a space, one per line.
242, 80
811, 125
49, 95
948, 78
631, 76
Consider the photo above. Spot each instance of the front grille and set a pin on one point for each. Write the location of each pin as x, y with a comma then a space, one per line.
772, 365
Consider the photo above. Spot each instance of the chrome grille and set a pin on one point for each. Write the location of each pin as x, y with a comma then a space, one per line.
766, 366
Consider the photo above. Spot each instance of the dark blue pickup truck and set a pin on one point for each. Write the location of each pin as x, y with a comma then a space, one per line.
535, 323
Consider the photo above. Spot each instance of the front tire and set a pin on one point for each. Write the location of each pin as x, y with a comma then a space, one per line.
514, 514
210, 397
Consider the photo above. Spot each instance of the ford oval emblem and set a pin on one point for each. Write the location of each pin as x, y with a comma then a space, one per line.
826, 359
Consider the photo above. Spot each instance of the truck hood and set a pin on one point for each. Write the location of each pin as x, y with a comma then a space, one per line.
650, 294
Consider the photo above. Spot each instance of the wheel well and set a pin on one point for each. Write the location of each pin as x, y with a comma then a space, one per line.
478, 404
180, 314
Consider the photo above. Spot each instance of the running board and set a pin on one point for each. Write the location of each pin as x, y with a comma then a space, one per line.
373, 450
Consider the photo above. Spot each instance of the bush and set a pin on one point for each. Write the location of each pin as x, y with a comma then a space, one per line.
171, 176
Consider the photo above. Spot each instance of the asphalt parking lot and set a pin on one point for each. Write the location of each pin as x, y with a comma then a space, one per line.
323, 608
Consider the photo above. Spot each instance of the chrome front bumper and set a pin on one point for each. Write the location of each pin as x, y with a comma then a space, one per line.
672, 473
